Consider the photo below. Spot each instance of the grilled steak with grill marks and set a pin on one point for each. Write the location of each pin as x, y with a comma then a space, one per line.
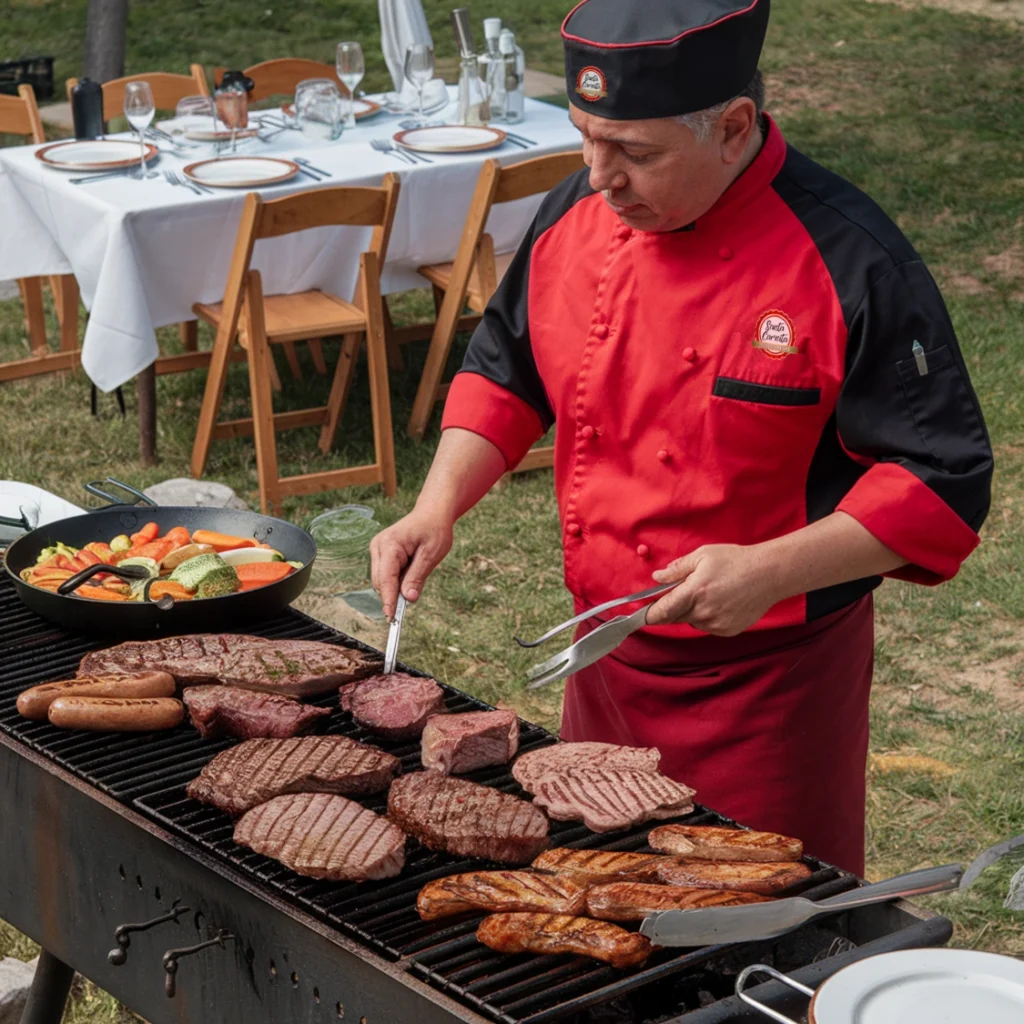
245, 714
463, 818
324, 836
494, 891
633, 901
560, 933
592, 867
294, 668
709, 842
456, 744
258, 770
766, 879
561, 757
606, 799
394, 706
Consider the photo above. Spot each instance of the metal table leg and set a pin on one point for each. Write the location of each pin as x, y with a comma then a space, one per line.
49, 991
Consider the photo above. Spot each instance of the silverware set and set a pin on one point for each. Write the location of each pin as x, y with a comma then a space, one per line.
519, 140
86, 179
405, 155
305, 167
174, 178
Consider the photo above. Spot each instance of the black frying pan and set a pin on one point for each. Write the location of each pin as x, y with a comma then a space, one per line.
234, 611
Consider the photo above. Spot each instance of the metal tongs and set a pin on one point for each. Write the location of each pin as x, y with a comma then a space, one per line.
596, 644
394, 635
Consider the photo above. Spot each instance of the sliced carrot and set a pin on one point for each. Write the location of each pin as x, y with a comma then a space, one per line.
171, 588
101, 550
179, 535
99, 594
148, 533
263, 572
89, 557
221, 541
157, 549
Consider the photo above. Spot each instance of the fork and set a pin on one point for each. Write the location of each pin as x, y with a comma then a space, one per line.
177, 179
383, 146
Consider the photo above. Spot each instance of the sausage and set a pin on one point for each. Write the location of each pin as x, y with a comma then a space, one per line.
117, 714
35, 702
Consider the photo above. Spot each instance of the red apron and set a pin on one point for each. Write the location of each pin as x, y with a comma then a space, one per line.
770, 727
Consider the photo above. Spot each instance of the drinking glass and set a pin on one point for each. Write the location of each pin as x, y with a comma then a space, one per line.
139, 109
233, 109
192, 113
351, 68
318, 109
419, 69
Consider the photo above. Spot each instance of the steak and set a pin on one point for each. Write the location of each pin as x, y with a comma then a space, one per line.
633, 901
246, 714
591, 867
560, 757
324, 836
766, 879
494, 891
294, 668
709, 842
560, 933
605, 799
259, 770
456, 744
394, 706
466, 819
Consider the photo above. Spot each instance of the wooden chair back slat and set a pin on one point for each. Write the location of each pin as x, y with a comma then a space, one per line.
281, 76
538, 175
353, 206
168, 88
19, 115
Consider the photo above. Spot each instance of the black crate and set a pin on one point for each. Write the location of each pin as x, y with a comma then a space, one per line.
34, 71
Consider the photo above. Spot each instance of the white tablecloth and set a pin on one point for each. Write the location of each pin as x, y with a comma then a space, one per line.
144, 251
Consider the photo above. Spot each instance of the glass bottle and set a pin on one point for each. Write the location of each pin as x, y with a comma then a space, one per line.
514, 84
492, 69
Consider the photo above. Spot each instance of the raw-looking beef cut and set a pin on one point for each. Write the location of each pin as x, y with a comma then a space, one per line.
560, 757
633, 901
394, 706
495, 891
457, 744
294, 668
246, 714
258, 770
463, 818
324, 836
606, 799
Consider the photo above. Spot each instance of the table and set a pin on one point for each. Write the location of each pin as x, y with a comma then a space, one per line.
144, 251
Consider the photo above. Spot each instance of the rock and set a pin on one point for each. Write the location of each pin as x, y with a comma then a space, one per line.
15, 981
203, 493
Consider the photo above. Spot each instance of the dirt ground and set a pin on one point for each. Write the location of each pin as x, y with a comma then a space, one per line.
1004, 10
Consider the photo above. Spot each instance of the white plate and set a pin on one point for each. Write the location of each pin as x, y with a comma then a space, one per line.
450, 138
241, 171
363, 109
93, 154
924, 986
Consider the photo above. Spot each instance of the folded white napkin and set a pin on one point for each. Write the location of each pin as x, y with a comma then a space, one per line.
435, 96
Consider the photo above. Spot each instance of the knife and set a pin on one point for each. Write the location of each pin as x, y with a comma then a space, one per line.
394, 634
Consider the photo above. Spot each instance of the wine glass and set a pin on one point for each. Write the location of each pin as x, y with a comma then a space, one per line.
139, 109
351, 69
419, 69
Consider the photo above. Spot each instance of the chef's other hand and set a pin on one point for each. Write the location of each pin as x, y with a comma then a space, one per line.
723, 590
408, 551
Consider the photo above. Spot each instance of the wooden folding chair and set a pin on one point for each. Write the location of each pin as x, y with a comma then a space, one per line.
258, 321
474, 275
19, 115
168, 88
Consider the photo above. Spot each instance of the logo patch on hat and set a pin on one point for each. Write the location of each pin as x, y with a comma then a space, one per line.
775, 335
591, 84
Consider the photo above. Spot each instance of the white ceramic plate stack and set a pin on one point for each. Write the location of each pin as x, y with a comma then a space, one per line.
450, 138
241, 171
93, 154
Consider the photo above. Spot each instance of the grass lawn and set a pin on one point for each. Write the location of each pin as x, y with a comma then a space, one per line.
922, 108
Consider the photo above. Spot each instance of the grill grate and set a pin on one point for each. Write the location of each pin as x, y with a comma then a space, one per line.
149, 772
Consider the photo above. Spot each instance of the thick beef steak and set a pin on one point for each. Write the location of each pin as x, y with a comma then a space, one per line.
456, 744
246, 714
463, 818
394, 706
324, 836
295, 668
605, 799
258, 770
561, 757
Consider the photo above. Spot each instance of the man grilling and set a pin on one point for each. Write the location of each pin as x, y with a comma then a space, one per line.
758, 393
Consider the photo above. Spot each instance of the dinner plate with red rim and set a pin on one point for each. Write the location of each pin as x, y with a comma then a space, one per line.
218, 134
450, 138
241, 171
364, 108
93, 154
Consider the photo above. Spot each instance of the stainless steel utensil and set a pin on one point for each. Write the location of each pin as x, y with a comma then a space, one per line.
394, 635
386, 146
520, 138
173, 179
86, 179
303, 162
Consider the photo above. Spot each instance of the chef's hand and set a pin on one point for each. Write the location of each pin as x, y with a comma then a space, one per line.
723, 589
408, 552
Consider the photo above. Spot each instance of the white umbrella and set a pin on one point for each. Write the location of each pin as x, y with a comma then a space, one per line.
402, 22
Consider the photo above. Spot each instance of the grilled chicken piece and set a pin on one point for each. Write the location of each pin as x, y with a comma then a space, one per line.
494, 891
766, 879
633, 901
562, 933
709, 842
592, 867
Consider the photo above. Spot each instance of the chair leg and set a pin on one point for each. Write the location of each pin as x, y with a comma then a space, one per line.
340, 387
189, 335
35, 319
316, 351
216, 378
292, 356
437, 358
377, 360
65, 295
262, 397
395, 360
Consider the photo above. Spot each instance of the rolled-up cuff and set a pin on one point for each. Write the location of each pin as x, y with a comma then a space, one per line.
909, 518
478, 404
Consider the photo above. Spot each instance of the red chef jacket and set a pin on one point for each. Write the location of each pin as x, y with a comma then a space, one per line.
732, 382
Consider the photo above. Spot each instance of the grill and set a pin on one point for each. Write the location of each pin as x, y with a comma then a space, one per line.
110, 837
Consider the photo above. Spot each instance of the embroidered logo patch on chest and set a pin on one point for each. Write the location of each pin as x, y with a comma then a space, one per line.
774, 336
591, 84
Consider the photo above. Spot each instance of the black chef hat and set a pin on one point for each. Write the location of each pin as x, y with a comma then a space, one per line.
633, 59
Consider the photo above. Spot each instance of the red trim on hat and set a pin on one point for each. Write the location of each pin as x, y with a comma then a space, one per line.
651, 42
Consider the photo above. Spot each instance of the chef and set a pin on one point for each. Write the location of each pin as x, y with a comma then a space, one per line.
758, 394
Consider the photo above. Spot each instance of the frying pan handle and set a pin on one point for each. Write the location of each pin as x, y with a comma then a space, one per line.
94, 488
18, 524
741, 982
126, 572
